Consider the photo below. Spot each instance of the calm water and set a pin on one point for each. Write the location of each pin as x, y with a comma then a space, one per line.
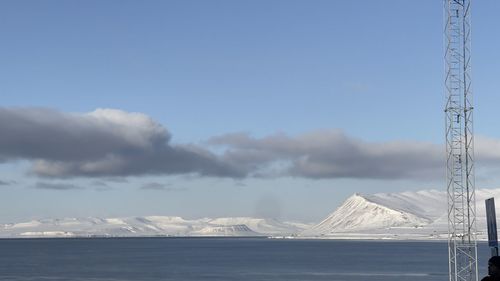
222, 259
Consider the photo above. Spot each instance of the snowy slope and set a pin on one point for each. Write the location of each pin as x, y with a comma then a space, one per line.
407, 215
260, 225
147, 226
226, 230
366, 212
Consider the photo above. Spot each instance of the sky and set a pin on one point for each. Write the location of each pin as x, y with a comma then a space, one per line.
278, 109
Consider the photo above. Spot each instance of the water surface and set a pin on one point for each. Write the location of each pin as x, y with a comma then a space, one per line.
221, 259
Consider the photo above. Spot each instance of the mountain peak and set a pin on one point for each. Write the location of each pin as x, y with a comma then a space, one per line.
406, 215
364, 212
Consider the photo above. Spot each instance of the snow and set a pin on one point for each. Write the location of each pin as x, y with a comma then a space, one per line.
226, 230
260, 225
115, 221
366, 212
408, 215
148, 226
418, 215
25, 224
47, 234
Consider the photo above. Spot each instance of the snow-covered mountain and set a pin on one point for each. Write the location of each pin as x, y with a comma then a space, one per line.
149, 226
259, 225
363, 212
226, 230
407, 215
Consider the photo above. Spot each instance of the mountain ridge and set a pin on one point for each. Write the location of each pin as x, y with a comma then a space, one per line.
406, 215
149, 226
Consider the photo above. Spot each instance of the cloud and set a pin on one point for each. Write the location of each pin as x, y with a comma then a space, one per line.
487, 150
161, 187
98, 183
331, 154
116, 179
4, 183
114, 144
240, 184
102, 143
56, 186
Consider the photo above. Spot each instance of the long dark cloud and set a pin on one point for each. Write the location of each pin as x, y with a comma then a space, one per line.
110, 144
331, 154
102, 143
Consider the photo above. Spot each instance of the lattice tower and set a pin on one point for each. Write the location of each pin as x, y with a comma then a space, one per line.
462, 245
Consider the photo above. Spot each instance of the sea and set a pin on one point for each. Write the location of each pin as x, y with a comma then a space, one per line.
220, 259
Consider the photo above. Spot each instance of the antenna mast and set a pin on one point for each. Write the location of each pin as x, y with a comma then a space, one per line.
462, 245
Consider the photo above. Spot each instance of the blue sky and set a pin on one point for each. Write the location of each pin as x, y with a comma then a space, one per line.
224, 79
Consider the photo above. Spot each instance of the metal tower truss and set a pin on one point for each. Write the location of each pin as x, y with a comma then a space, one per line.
459, 143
